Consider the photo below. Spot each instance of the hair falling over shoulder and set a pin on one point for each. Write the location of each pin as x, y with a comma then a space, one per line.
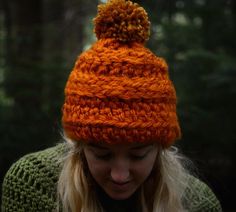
74, 184
167, 183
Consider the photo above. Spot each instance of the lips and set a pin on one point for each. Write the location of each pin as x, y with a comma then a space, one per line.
120, 186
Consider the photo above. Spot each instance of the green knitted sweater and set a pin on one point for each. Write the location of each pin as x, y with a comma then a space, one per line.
30, 185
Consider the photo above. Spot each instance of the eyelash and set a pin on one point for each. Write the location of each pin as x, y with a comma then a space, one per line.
138, 157
103, 157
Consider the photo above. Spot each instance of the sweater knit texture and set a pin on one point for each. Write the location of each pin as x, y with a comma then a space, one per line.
30, 185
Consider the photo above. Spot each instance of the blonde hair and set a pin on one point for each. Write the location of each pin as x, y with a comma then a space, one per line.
168, 181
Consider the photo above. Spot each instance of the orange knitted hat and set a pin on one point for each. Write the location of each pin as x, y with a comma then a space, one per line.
118, 90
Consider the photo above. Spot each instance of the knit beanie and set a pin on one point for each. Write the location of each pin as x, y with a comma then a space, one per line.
118, 90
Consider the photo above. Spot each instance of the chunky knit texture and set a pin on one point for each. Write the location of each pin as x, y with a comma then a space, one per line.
30, 185
123, 20
118, 90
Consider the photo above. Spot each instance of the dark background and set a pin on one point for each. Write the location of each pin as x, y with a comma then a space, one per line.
40, 40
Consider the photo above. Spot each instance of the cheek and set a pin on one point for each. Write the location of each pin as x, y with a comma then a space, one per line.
143, 169
97, 168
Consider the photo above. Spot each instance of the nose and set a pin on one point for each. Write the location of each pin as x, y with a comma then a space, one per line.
120, 172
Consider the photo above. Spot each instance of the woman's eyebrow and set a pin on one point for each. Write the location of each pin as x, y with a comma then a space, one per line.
97, 146
140, 147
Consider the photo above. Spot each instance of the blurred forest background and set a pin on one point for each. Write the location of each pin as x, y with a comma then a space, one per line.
40, 40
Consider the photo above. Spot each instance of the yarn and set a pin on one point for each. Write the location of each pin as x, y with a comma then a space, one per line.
118, 90
123, 20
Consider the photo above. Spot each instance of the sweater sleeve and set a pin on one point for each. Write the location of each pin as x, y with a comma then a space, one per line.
30, 183
200, 198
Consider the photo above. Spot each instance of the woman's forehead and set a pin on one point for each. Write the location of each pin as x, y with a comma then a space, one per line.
134, 145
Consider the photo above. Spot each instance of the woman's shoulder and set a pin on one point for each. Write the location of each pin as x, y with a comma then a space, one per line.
45, 161
200, 198
30, 183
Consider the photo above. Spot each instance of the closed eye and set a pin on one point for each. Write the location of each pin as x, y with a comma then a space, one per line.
141, 155
103, 156
137, 157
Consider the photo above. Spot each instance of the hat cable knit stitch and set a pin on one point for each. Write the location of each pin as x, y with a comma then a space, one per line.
118, 90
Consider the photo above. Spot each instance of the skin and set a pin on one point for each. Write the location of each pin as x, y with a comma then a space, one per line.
120, 169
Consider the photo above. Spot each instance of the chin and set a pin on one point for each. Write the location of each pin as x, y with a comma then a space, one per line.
120, 196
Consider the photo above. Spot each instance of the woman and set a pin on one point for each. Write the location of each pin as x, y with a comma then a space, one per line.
120, 124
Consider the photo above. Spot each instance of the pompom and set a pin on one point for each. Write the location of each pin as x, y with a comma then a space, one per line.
122, 20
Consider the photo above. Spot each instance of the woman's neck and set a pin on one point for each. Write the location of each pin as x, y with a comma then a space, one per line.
131, 204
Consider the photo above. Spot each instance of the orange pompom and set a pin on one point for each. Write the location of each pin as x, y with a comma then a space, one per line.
122, 20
